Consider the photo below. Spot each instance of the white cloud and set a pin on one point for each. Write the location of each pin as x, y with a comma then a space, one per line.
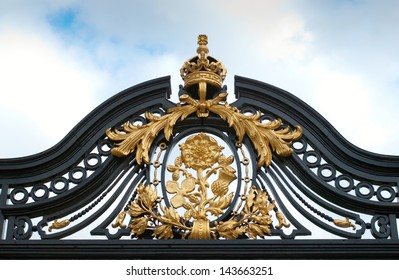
43, 83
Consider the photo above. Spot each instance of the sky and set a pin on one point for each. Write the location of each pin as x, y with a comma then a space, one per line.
61, 59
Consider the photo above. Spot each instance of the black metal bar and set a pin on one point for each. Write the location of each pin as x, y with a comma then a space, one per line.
393, 226
209, 249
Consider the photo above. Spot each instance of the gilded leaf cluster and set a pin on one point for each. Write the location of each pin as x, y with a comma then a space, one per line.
266, 137
190, 194
254, 219
145, 211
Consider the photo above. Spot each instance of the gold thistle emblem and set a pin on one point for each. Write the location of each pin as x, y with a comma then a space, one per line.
195, 202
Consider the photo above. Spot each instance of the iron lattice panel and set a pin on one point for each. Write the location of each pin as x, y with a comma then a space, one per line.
80, 181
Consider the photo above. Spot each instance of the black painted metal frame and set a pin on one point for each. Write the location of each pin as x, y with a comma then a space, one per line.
78, 178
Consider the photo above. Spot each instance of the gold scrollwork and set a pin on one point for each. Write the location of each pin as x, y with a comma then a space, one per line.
266, 137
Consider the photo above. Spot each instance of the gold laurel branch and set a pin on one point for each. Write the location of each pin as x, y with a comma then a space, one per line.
266, 137
144, 210
254, 219
139, 138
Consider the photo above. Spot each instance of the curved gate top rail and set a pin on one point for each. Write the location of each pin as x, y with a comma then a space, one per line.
143, 177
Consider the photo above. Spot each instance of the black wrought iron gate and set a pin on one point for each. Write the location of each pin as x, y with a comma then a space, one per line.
143, 177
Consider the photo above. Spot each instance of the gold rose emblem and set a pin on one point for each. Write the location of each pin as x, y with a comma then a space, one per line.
200, 152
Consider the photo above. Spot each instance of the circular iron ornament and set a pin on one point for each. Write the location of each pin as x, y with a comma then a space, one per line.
77, 170
329, 168
308, 155
22, 228
38, 188
388, 189
56, 181
344, 178
364, 185
19, 192
104, 147
382, 222
300, 146
88, 162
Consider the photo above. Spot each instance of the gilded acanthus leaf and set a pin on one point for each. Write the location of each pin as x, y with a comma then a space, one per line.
134, 138
266, 137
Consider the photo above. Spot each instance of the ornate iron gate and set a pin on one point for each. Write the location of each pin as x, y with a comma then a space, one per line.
141, 176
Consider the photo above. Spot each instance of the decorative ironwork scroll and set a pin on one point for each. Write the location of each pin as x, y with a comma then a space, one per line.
203, 177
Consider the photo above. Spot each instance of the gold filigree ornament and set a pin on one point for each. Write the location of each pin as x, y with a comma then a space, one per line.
195, 202
196, 205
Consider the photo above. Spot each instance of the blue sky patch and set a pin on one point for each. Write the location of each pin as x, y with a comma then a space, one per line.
152, 49
68, 24
63, 20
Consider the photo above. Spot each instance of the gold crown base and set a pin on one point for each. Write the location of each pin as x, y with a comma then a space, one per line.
199, 77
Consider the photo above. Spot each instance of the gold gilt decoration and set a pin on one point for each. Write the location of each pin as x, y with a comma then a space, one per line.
344, 223
195, 201
203, 68
58, 225
266, 137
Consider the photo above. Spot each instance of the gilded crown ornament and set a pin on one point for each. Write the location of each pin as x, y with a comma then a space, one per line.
204, 71
203, 68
